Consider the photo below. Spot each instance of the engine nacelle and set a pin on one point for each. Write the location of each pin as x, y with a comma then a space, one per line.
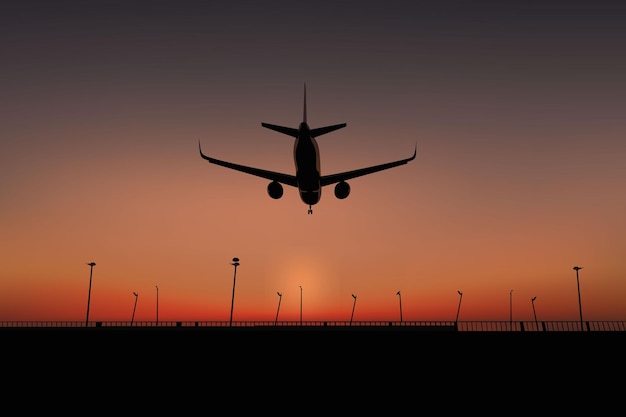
342, 190
275, 190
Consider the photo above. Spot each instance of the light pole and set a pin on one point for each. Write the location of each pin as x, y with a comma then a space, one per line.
280, 297
134, 308
157, 305
300, 305
532, 300
400, 298
580, 308
353, 306
511, 307
232, 302
91, 265
458, 310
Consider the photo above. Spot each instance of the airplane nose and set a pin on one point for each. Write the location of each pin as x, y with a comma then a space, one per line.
310, 197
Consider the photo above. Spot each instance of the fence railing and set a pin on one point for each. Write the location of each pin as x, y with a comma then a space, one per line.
460, 326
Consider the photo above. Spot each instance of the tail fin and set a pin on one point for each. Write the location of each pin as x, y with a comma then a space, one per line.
304, 111
294, 132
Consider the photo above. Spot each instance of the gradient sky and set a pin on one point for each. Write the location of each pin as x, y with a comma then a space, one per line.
517, 110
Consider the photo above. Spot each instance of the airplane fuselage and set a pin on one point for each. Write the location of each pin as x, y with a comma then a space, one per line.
306, 157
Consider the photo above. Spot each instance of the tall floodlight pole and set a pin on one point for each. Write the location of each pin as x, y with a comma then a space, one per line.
232, 303
134, 308
400, 298
300, 305
280, 297
580, 308
458, 310
91, 265
157, 305
511, 307
532, 300
353, 306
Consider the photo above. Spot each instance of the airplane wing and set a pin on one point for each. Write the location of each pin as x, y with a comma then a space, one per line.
343, 176
270, 175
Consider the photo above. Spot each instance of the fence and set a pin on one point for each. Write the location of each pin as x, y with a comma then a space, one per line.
460, 326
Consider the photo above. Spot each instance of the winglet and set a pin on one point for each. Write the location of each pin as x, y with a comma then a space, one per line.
200, 149
208, 158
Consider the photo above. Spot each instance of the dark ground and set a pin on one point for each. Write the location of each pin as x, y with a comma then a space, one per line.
309, 371
316, 342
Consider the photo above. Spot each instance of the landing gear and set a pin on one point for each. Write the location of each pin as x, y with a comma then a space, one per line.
310, 210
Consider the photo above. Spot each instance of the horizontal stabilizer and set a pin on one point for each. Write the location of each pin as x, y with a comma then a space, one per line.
327, 129
290, 131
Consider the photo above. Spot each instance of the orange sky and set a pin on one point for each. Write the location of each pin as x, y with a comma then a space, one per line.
517, 114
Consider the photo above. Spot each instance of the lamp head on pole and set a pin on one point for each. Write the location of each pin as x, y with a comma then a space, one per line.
398, 293
235, 262
279, 294
92, 264
460, 293
354, 296
533, 299
136, 295
576, 268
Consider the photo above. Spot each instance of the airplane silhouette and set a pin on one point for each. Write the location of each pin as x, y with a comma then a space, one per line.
308, 178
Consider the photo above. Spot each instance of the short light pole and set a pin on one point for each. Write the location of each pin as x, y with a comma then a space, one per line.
580, 308
532, 300
353, 306
232, 302
400, 299
91, 265
458, 310
300, 305
280, 297
157, 305
134, 308
511, 307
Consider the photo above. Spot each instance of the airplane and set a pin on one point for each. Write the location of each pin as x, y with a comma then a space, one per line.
308, 179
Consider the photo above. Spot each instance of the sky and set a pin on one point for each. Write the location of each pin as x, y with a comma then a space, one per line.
516, 109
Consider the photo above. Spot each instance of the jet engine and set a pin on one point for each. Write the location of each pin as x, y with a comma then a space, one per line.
342, 190
275, 190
